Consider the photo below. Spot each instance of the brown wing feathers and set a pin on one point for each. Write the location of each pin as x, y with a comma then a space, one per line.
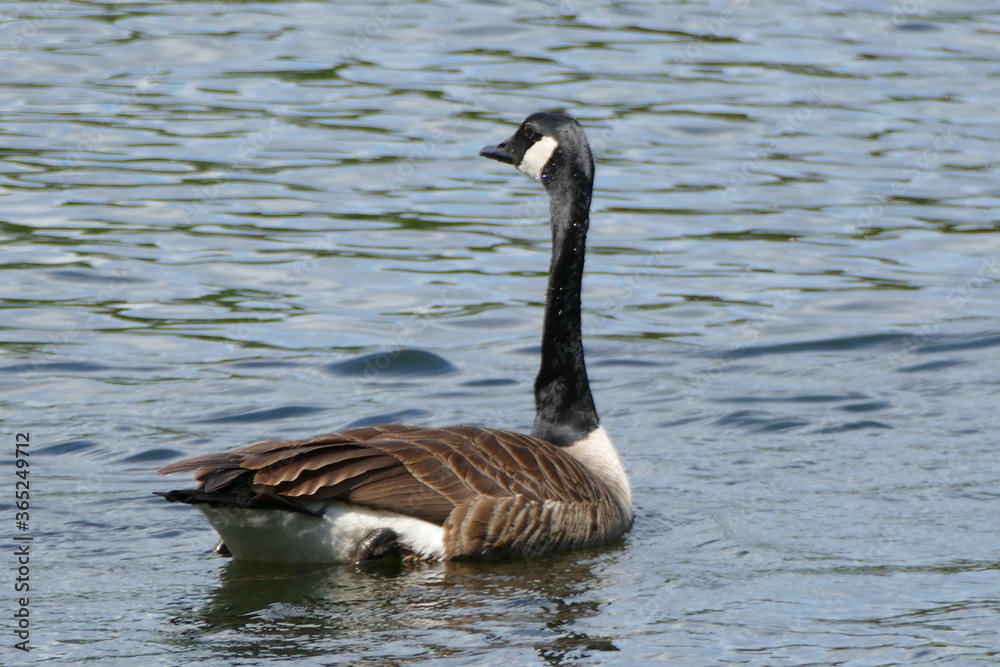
371, 462
496, 493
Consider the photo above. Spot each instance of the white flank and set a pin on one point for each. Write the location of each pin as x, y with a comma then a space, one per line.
536, 157
276, 536
598, 453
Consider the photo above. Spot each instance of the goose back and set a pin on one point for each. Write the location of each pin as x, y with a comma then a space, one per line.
493, 492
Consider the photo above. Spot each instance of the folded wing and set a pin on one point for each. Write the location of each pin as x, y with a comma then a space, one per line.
420, 472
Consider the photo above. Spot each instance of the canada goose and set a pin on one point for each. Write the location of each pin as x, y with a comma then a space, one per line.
460, 491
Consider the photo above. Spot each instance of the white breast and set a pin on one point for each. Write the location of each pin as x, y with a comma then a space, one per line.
598, 453
294, 537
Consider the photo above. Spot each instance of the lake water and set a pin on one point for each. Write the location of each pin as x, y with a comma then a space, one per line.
225, 222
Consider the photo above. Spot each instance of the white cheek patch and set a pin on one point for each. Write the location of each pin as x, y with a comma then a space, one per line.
537, 157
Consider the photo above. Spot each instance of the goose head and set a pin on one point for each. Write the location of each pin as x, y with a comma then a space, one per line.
550, 147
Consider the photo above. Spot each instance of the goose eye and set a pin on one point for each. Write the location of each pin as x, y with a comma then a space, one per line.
531, 134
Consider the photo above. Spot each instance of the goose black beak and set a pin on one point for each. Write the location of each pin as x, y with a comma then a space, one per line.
500, 153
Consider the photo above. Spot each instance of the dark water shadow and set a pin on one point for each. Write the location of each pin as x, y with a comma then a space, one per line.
265, 415
396, 363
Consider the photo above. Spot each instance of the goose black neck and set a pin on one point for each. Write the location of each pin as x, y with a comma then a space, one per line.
564, 407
